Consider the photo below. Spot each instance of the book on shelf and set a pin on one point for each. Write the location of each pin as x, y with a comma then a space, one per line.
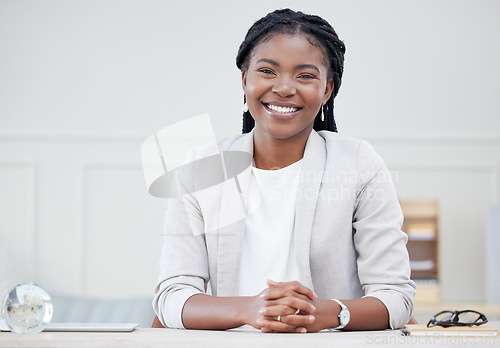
457, 331
422, 265
426, 282
421, 237
421, 231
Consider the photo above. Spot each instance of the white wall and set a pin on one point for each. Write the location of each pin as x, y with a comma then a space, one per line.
83, 83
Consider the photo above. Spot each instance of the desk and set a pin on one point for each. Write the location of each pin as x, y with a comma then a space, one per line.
243, 337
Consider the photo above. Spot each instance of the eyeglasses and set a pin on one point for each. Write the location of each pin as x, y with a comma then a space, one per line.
457, 318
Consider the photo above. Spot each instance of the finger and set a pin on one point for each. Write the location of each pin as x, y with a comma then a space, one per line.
287, 306
272, 325
301, 289
293, 320
277, 292
294, 286
298, 320
275, 310
270, 282
297, 330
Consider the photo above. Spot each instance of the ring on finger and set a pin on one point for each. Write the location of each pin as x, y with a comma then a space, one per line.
279, 317
297, 311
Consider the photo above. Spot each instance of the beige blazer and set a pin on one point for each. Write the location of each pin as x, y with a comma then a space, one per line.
347, 230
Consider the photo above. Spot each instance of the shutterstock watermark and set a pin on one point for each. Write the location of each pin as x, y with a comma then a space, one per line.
395, 338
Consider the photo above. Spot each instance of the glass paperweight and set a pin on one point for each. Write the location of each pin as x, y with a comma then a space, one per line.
27, 309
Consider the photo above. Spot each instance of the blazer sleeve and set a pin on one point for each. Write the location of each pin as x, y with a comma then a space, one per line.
383, 262
184, 259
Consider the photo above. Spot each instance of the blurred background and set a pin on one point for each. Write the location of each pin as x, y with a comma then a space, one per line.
84, 83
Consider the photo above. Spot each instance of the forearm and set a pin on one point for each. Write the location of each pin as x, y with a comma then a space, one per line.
367, 313
205, 312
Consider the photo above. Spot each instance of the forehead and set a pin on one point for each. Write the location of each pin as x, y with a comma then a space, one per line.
296, 47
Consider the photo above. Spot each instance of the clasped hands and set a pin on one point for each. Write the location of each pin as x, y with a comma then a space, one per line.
285, 307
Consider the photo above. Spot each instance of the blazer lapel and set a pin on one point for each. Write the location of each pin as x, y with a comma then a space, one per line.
234, 199
309, 185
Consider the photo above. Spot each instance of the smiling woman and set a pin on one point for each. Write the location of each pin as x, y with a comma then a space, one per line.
285, 83
320, 244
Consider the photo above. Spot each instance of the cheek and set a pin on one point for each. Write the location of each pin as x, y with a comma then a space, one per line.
315, 94
254, 89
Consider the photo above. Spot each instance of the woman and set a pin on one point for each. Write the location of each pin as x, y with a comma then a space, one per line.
321, 218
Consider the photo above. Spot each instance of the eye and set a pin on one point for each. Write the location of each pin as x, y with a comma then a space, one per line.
306, 76
266, 71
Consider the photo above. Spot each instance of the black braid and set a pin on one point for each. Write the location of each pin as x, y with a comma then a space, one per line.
323, 35
248, 121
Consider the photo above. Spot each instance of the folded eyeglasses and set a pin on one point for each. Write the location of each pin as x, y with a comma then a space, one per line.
458, 318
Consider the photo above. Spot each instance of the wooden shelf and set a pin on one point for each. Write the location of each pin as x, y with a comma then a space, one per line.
421, 225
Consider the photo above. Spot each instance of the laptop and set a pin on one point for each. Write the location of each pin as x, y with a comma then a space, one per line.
82, 327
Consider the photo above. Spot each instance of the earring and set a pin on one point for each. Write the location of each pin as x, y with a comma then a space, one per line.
245, 107
322, 115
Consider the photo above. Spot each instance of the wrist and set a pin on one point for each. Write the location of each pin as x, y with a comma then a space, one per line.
243, 310
344, 315
328, 316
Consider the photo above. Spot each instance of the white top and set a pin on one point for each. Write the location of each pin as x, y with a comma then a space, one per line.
268, 250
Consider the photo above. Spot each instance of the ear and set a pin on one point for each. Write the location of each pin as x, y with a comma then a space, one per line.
328, 91
244, 79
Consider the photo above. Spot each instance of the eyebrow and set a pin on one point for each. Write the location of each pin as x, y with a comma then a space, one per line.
269, 61
307, 66
300, 66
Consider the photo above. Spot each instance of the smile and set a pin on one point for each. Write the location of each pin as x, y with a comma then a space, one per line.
281, 109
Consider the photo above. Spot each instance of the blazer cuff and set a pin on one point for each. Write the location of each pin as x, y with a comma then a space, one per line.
399, 313
172, 308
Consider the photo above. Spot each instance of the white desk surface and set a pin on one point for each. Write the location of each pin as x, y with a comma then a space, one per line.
235, 338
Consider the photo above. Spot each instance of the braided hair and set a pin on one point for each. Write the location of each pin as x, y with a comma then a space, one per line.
320, 33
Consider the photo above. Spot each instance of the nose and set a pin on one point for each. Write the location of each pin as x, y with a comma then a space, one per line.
284, 86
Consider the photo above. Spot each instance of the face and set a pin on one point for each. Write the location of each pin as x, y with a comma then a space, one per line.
286, 83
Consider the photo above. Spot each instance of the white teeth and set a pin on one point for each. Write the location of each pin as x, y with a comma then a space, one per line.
281, 109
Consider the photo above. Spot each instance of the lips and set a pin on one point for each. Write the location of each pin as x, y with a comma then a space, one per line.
282, 108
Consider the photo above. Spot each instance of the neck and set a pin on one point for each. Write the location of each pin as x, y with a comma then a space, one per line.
270, 153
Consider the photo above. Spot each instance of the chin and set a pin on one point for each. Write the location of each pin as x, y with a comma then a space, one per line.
282, 133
